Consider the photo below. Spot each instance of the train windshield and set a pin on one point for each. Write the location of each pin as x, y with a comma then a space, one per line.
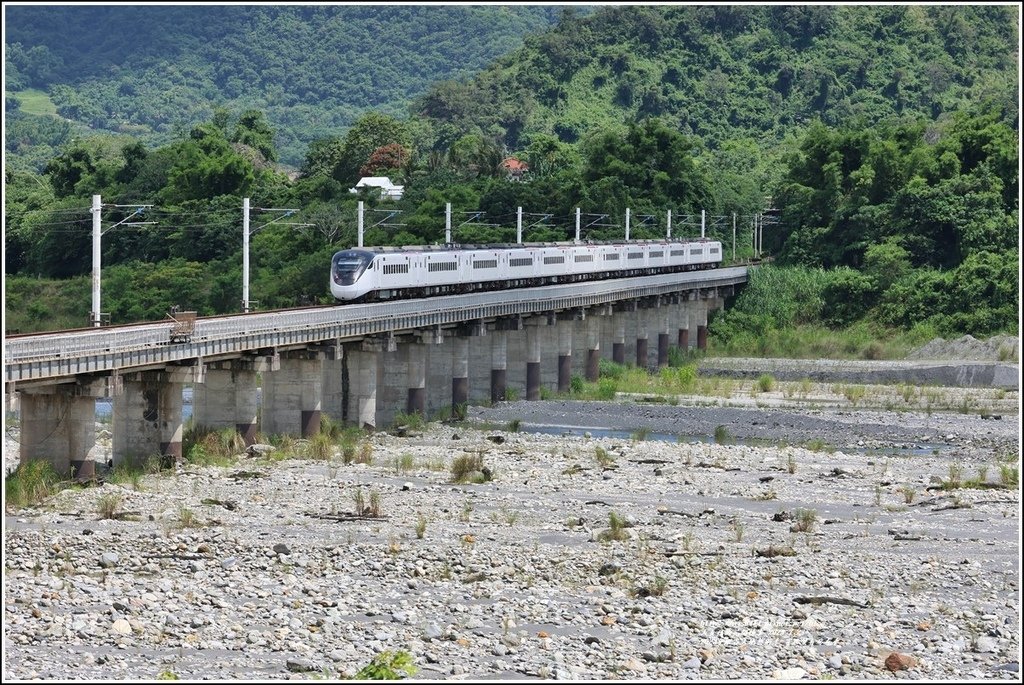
349, 265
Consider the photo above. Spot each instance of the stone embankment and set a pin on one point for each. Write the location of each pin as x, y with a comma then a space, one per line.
962, 363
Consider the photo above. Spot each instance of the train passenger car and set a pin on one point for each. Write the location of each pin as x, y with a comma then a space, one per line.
376, 273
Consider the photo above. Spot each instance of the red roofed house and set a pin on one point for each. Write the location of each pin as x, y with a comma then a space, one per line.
515, 168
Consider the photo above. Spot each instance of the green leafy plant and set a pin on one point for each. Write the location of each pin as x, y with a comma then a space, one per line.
766, 383
31, 482
388, 665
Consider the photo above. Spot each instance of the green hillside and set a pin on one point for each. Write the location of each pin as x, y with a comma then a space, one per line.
886, 137
726, 72
153, 72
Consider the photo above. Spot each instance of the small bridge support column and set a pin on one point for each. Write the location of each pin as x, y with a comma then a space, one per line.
684, 324
702, 324
416, 378
641, 337
619, 339
662, 313
58, 425
533, 339
363, 360
147, 414
227, 397
499, 364
292, 395
593, 326
564, 326
460, 373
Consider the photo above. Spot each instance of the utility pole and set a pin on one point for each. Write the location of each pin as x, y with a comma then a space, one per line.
246, 233
577, 224
245, 255
519, 225
668, 225
702, 224
96, 316
627, 224
734, 236
359, 239
448, 223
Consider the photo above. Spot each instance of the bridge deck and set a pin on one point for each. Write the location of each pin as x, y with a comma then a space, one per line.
97, 351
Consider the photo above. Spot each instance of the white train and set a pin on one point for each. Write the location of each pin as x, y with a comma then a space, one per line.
378, 273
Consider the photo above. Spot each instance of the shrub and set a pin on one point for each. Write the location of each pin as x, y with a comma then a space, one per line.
576, 385
766, 383
606, 389
320, 447
722, 435
413, 421
30, 483
109, 504
804, 520
616, 527
387, 666
606, 368
470, 468
603, 458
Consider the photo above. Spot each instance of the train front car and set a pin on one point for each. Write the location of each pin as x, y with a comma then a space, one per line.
351, 274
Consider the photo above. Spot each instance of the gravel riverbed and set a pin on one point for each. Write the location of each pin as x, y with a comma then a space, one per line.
747, 559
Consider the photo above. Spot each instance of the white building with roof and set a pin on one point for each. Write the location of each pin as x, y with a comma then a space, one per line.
388, 190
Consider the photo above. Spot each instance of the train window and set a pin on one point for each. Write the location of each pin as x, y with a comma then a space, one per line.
696, 251
521, 261
442, 266
485, 264
659, 253
554, 260
636, 255
396, 268
611, 257
714, 250
584, 258
677, 253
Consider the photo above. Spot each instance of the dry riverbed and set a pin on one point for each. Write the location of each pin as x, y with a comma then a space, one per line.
757, 558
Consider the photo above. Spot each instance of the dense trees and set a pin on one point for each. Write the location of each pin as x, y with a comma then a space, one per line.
895, 179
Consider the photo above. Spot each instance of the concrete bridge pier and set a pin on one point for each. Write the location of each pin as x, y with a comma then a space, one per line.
642, 315
292, 395
227, 397
58, 425
693, 309
532, 354
564, 330
480, 364
499, 364
460, 373
662, 315
684, 324
594, 323
437, 370
702, 324
547, 332
416, 377
363, 363
147, 414
619, 338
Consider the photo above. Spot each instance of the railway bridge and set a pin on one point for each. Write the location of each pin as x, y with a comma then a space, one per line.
360, 364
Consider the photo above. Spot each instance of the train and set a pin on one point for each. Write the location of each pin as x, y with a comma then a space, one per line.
370, 274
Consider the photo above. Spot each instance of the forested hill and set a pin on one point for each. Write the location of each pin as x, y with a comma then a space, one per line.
886, 136
726, 72
153, 72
